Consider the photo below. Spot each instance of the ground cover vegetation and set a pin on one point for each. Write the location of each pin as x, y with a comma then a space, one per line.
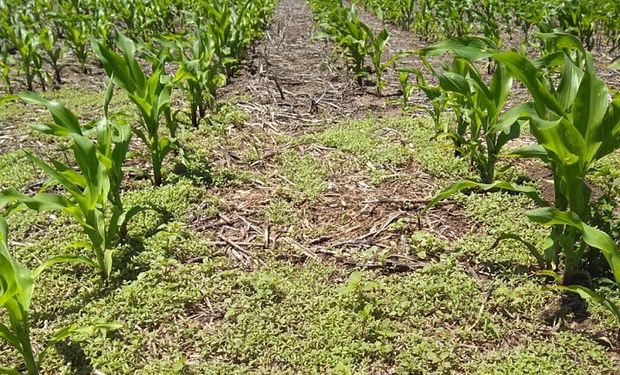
170, 203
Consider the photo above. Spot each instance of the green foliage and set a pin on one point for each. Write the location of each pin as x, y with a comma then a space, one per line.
280, 212
434, 93
16, 293
546, 357
426, 245
6, 66
43, 32
200, 72
367, 140
187, 308
31, 61
342, 26
575, 124
55, 50
232, 25
306, 176
94, 190
151, 95
483, 127
16, 170
494, 19
17, 284
77, 39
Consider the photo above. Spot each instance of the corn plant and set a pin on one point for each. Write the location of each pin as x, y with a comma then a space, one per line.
378, 44
406, 87
406, 17
16, 292
578, 18
490, 27
434, 93
529, 15
575, 124
343, 27
6, 67
233, 25
54, 49
256, 17
483, 127
150, 94
199, 73
17, 284
31, 61
228, 37
77, 35
103, 27
94, 188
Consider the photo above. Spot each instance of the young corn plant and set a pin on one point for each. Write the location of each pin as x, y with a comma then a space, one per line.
575, 122
54, 49
483, 127
103, 27
150, 94
406, 87
17, 284
578, 18
407, 13
77, 35
357, 41
31, 61
224, 26
437, 97
7, 64
199, 74
256, 18
15, 296
93, 188
378, 44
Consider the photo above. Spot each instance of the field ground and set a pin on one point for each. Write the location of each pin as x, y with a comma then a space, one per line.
292, 244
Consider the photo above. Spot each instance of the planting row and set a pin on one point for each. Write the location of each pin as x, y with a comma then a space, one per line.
575, 119
573, 115
593, 22
88, 187
40, 40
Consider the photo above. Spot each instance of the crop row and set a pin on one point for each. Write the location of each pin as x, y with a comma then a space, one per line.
39, 39
573, 115
575, 119
89, 186
592, 21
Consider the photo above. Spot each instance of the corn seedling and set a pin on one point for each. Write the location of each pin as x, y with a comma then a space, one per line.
31, 61
577, 17
434, 94
6, 66
575, 124
342, 26
16, 293
150, 94
483, 127
224, 27
77, 35
94, 188
55, 50
233, 25
199, 72
378, 43
17, 284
